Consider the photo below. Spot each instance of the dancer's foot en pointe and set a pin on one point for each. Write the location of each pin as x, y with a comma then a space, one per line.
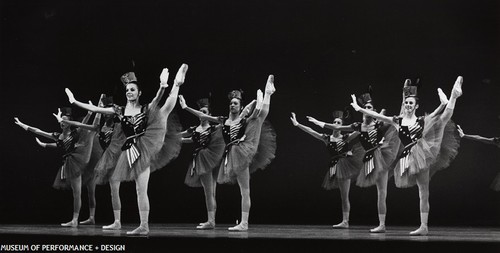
379, 229
270, 89
422, 230
243, 226
343, 224
72, 223
457, 87
442, 97
117, 225
89, 221
143, 229
206, 225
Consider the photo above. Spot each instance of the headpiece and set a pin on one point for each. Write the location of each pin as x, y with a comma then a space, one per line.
235, 94
66, 111
366, 97
338, 114
128, 77
203, 102
410, 90
107, 101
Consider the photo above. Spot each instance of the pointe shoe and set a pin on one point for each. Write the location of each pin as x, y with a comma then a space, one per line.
206, 225
379, 229
343, 224
72, 223
141, 230
422, 230
240, 227
442, 97
117, 225
181, 75
270, 89
457, 87
89, 221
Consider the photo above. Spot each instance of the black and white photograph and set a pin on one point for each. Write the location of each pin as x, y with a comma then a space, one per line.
250, 126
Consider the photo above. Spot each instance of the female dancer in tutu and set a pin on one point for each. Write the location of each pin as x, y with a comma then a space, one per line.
145, 128
72, 141
209, 148
100, 142
430, 143
380, 143
345, 160
250, 143
487, 140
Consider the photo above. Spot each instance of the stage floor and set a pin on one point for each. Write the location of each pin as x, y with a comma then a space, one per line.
261, 238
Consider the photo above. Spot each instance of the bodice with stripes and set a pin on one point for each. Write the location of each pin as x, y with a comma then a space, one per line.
336, 147
67, 144
411, 133
233, 132
105, 136
369, 139
201, 139
133, 126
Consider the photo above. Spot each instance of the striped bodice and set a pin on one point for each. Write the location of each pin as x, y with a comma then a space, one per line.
68, 143
234, 132
337, 147
202, 139
105, 136
370, 139
411, 133
134, 125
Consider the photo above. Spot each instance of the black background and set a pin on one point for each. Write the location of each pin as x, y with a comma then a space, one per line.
319, 51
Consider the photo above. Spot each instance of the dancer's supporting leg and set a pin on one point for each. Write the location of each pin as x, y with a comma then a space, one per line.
344, 187
117, 206
381, 201
76, 186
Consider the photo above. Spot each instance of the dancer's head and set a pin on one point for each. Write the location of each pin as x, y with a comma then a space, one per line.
410, 95
204, 106
106, 101
235, 101
65, 115
132, 90
338, 119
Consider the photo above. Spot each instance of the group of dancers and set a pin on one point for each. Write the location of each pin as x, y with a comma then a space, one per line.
128, 143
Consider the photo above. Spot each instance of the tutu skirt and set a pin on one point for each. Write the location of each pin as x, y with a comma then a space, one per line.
346, 168
106, 166
434, 151
206, 160
148, 144
171, 146
74, 163
383, 157
242, 155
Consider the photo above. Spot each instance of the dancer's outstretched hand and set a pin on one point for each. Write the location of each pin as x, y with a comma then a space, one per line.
294, 120
71, 97
17, 121
460, 131
354, 103
58, 115
315, 121
164, 78
182, 102
39, 142
181, 75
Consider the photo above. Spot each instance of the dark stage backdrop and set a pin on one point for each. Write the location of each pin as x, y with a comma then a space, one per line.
319, 51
